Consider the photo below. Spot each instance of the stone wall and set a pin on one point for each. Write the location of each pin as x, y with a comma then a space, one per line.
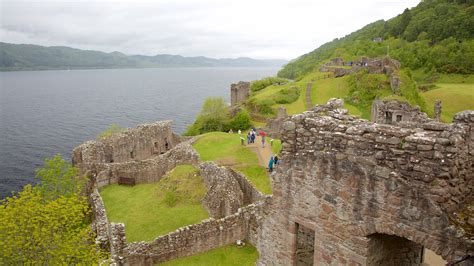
227, 190
348, 179
393, 250
274, 126
239, 92
144, 171
138, 143
196, 238
396, 112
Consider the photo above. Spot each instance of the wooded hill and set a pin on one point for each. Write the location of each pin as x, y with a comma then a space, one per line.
35, 57
436, 35
433, 42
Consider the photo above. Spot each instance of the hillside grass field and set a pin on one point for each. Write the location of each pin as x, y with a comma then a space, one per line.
230, 255
225, 149
455, 97
151, 210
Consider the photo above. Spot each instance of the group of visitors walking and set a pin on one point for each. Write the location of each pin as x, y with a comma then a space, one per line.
252, 135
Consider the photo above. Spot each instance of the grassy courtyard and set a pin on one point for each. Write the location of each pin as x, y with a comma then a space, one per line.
455, 97
225, 149
150, 210
225, 256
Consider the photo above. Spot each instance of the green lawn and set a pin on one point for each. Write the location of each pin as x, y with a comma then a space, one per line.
225, 149
455, 97
225, 256
324, 89
276, 147
151, 210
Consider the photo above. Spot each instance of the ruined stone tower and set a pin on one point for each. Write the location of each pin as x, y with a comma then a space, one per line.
239, 92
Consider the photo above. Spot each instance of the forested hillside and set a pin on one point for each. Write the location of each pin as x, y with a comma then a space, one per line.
35, 57
436, 35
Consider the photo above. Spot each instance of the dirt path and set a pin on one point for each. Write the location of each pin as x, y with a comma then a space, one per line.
263, 154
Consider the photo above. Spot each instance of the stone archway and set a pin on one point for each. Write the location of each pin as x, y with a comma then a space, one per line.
393, 250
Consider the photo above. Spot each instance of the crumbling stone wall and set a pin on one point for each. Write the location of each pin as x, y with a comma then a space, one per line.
382, 65
274, 126
348, 179
397, 112
144, 171
134, 144
227, 190
239, 92
196, 238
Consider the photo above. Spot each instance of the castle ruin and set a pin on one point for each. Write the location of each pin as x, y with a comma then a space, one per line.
347, 192
239, 92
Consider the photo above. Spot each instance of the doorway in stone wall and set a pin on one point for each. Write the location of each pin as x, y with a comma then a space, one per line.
393, 250
304, 245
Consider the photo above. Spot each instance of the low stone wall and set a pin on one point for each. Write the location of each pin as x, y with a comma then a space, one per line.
196, 238
100, 223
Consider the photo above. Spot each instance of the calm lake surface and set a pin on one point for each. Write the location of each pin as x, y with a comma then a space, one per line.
43, 113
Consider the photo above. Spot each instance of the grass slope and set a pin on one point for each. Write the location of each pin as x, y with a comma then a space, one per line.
145, 208
225, 149
454, 97
225, 256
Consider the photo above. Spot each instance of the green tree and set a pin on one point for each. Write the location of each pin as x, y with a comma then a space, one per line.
52, 232
214, 116
241, 121
48, 224
58, 178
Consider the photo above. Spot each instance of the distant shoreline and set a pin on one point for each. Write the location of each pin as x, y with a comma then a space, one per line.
111, 68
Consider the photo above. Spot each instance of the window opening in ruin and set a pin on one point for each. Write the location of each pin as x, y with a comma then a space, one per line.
156, 145
132, 155
388, 117
167, 146
393, 250
304, 246
399, 118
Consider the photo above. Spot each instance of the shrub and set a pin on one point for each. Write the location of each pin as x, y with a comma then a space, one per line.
241, 121
170, 198
261, 84
287, 95
112, 129
214, 116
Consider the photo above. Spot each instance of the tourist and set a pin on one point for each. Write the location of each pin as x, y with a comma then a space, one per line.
270, 165
263, 141
248, 138
230, 131
275, 160
240, 131
252, 137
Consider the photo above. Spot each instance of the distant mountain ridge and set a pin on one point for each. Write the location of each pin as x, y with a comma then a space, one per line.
35, 57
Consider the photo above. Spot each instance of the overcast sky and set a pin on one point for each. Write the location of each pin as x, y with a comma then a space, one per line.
220, 28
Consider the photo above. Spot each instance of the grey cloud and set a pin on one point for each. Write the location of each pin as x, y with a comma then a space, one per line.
278, 29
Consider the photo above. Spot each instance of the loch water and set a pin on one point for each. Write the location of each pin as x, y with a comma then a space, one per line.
43, 113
